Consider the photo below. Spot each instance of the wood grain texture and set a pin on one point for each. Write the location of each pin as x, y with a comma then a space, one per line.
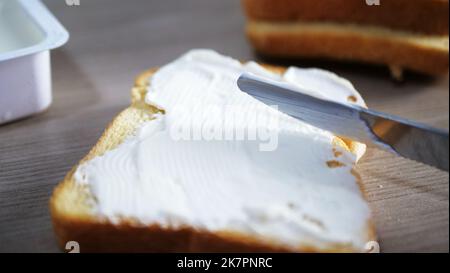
112, 41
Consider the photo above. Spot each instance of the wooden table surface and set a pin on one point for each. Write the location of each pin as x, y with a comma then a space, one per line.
112, 41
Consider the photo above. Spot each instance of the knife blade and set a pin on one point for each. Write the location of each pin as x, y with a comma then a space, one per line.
397, 135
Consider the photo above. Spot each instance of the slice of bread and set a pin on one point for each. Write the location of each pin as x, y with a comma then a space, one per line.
376, 45
402, 34
74, 218
422, 16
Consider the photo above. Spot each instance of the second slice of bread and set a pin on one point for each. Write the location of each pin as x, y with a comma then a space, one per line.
376, 45
418, 16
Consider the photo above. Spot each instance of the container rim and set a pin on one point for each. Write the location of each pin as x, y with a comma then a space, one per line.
55, 33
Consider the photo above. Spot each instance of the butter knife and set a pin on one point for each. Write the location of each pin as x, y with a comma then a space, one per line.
397, 135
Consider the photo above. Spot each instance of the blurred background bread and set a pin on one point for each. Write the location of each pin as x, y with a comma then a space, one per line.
401, 34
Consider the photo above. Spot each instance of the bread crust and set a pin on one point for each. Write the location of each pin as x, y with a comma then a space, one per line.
348, 44
95, 234
423, 16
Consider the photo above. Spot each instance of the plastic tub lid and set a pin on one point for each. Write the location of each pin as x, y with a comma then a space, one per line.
54, 34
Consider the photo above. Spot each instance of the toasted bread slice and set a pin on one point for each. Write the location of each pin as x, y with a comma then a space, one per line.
74, 218
399, 50
422, 16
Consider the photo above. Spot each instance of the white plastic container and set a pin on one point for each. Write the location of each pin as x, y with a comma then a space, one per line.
28, 31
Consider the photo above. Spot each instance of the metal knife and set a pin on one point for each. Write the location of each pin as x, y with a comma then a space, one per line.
400, 136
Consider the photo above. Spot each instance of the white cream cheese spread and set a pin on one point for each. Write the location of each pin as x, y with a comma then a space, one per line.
219, 160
